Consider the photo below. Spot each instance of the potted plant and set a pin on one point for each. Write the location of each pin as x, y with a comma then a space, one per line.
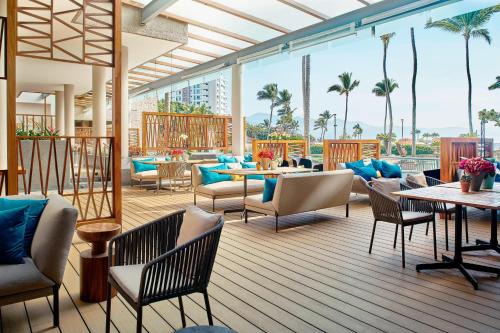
477, 168
176, 154
489, 177
266, 156
465, 182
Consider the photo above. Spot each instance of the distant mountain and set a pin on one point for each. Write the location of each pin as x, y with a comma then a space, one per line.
369, 131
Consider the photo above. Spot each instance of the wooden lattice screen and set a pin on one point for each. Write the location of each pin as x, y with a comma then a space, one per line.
341, 151
452, 149
284, 149
78, 31
162, 131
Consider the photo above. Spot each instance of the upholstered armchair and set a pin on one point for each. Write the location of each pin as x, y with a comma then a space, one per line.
401, 212
148, 266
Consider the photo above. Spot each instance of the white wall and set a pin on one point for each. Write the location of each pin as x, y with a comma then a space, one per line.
33, 108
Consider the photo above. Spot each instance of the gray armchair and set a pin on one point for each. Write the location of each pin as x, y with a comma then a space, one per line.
404, 212
42, 274
148, 266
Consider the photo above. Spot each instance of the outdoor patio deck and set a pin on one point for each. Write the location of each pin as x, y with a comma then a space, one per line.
315, 275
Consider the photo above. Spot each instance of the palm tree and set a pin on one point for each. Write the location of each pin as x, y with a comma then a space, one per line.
357, 131
414, 94
284, 100
270, 93
321, 124
495, 85
345, 87
306, 95
468, 25
380, 91
385, 41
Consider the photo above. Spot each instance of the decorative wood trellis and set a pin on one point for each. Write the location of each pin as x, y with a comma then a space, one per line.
78, 31
80, 169
162, 131
28, 122
3, 48
341, 151
452, 149
284, 149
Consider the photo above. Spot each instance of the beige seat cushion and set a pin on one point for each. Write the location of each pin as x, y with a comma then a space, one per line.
418, 178
230, 187
128, 278
387, 186
256, 201
150, 174
187, 174
195, 223
21, 278
410, 217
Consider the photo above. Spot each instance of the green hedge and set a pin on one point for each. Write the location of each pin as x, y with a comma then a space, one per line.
421, 150
316, 149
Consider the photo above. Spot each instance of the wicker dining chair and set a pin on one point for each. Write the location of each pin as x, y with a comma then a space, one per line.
441, 208
174, 172
154, 269
404, 212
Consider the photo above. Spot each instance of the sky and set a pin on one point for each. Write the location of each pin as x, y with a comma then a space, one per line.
441, 81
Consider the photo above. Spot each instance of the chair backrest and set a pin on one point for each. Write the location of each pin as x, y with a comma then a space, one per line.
384, 207
307, 163
173, 170
305, 192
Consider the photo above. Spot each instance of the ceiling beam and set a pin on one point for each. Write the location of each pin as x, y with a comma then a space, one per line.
214, 42
198, 51
211, 28
243, 15
305, 9
156, 76
182, 58
153, 69
154, 8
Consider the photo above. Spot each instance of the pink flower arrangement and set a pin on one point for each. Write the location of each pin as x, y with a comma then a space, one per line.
476, 165
266, 154
177, 152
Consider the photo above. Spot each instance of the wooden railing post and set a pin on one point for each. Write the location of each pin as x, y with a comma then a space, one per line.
12, 188
144, 133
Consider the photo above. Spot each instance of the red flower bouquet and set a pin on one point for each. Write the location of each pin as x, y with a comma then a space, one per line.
266, 154
474, 166
177, 152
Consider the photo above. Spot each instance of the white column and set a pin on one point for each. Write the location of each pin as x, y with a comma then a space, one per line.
69, 110
125, 107
238, 147
3, 107
98, 101
59, 101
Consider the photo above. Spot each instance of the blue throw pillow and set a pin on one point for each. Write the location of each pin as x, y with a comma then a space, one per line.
377, 164
248, 158
35, 209
390, 170
12, 227
140, 167
209, 177
359, 164
226, 159
367, 172
251, 165
269, 186
168, 158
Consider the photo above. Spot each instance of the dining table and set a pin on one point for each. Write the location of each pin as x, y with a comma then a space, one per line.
451, 193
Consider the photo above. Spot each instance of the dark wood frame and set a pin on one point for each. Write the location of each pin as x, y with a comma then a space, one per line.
3, 45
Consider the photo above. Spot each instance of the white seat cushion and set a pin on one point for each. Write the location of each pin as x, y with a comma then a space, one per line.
418, 178
230, 187
150, 174
21, 278
195, 223
256, 201
128, 278
415, 216
387, 186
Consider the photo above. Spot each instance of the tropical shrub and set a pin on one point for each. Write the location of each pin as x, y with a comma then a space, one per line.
316, 149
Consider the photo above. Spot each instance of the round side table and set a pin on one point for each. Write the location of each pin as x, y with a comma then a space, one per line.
94, 262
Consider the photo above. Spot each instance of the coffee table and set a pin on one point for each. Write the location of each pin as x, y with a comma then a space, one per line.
94, 261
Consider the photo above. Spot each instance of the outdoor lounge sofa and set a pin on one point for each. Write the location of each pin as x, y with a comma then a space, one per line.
300, 193
224, 189
42, 274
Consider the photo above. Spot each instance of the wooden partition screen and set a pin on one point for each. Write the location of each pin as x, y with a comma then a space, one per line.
3, 48
162, 131
29, 122
284, 149
341, 151
452, 149
78, 168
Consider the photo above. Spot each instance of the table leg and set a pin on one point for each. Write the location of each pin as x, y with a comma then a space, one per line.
239, 210
493, 243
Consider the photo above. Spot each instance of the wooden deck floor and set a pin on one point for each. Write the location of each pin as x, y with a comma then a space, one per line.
315, 275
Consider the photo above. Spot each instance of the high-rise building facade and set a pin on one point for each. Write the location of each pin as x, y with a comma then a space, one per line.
212, 93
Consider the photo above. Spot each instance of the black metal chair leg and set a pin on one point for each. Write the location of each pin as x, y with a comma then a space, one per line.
246, 216
373, 235
446, 230
427, 229
466, 228
207, 305
139, 320
55, 290
434, 236
181, 308
108, 308
276, 223
395, 237
411, 233
347, 210
403, 245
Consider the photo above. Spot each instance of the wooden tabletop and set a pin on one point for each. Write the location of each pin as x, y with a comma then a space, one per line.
251, 171
98, 232
206, 161
496, 187
450, 193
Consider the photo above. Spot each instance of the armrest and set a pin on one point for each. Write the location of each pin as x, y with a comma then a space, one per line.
143, 244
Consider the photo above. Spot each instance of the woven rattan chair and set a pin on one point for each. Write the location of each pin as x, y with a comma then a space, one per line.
174, 172
404, 212
156, 270
440, 208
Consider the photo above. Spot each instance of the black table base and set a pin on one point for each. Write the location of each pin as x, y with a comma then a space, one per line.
457, 261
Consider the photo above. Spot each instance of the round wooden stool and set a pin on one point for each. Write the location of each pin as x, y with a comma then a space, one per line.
94, 262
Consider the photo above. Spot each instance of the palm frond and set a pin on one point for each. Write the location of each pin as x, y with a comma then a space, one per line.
449, 25
495, 85
335, 87
482, 33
